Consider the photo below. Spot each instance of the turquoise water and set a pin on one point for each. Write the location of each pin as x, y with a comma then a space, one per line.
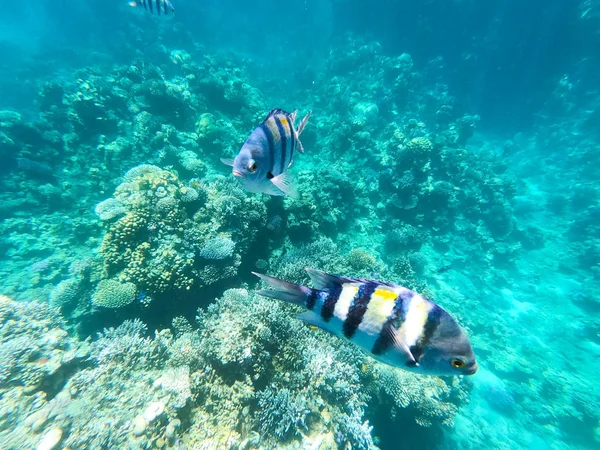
452, 149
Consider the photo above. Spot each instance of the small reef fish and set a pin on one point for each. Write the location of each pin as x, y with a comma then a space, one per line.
164, 5
444, 268
391, 323
268, 152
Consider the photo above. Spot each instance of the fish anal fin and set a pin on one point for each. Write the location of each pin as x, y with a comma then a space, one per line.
314, 319
286, 185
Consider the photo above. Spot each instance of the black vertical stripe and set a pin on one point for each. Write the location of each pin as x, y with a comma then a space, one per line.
333, 296
292, 138
150, 5
431, 324
358, 308
158, 6
312, 299
145, 6
271, 142
283, 143
394, 321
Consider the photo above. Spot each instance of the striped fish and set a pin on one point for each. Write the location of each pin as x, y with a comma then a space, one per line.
161, 6
389, 322
263, 160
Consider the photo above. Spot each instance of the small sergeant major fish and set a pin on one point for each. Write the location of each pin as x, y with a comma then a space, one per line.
161, 5
268, 152
391, 323
444, 268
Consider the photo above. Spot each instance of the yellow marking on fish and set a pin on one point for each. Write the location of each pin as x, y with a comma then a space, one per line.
379, 309
313, 327
274, 129
342, 306
386, 293
284, 123
416, 318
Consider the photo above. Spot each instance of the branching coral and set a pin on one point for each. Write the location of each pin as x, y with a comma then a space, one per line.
280, 412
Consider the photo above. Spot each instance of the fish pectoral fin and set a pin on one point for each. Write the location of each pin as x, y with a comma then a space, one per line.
227, 161
393, 335
286, 185
314, 319
410, 360
271, 189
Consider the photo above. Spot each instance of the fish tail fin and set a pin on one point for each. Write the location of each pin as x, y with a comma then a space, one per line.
288, 292
303, 123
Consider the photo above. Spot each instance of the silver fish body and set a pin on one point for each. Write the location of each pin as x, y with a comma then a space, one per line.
391, 323
262, 163
160, 6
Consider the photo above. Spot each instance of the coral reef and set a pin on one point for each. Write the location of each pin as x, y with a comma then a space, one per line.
115, 208
250, 375
168, 236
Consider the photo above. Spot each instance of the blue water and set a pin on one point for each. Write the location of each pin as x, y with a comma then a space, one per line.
452, 149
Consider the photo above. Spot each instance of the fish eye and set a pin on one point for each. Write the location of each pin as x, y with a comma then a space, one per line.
457, 363
253, 166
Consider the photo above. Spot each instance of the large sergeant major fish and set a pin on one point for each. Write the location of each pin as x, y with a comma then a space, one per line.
389, 322
164, 5
263, 160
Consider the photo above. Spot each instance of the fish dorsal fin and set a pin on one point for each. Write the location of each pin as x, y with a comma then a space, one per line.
293, 116
324, 281
276, 111
227, 161
286, 185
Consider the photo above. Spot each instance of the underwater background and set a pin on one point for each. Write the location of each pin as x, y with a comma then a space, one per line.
453, 148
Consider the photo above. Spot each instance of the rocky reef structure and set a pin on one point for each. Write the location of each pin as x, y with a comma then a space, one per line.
247, 375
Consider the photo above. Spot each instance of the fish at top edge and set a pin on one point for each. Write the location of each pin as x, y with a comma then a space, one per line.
262, 163
161, 6
390, 323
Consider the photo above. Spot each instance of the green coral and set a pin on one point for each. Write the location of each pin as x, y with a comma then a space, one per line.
113, 294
